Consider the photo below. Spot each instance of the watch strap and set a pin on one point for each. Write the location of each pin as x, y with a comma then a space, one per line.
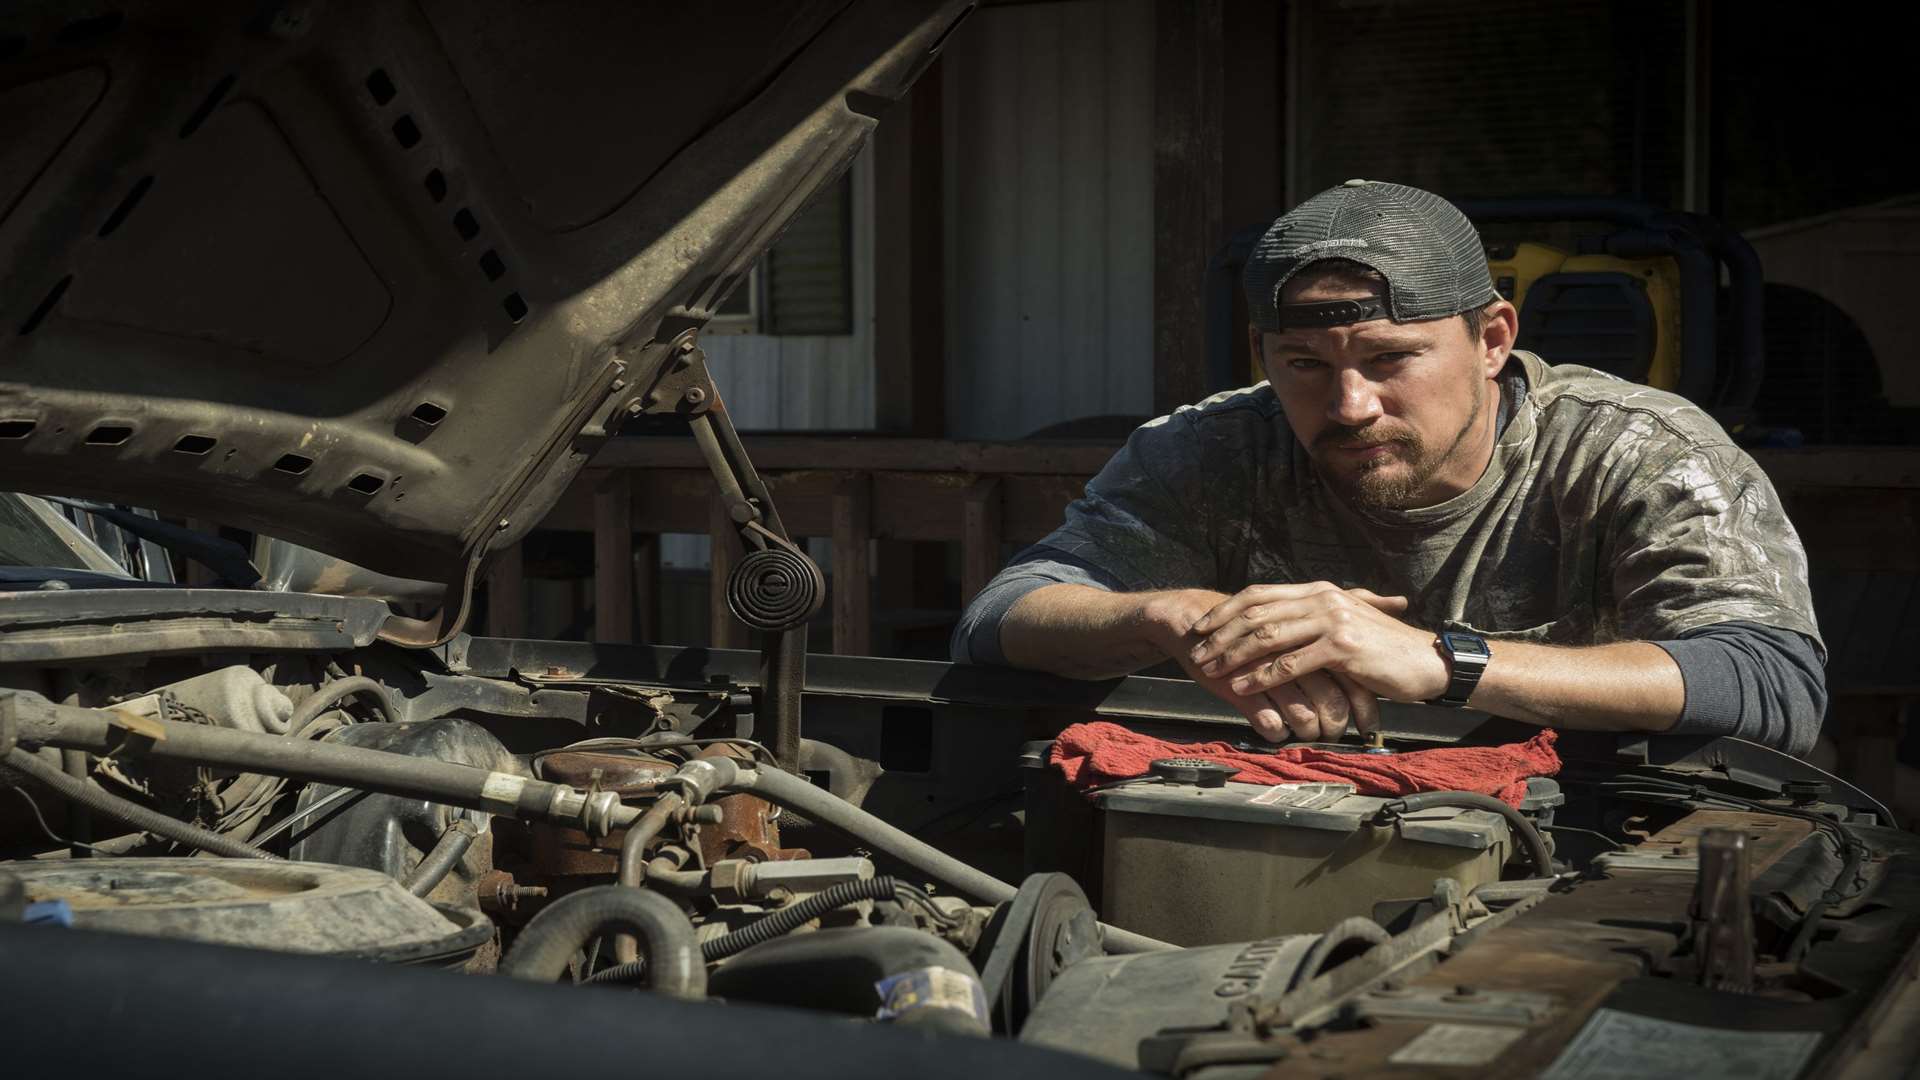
1467, 654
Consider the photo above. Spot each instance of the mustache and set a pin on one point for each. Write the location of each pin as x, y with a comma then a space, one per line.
1371, 435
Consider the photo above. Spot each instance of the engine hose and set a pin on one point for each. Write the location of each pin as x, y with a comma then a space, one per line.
101, 801
335, 692
1345, 932
619, 973
543, 948
446, 854
633, 860
1530, 837
798, 914
794, 793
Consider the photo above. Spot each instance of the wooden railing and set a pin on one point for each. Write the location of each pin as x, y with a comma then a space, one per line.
851, 489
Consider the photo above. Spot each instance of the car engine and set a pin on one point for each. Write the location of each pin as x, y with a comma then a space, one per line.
466, 809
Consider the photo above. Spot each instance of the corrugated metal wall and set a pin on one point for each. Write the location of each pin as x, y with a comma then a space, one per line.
800, 383
1049, 185
808, 383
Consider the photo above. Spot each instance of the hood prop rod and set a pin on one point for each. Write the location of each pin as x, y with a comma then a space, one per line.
776, 588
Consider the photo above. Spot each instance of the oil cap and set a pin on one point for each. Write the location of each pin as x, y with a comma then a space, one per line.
1188, 770
1805, 792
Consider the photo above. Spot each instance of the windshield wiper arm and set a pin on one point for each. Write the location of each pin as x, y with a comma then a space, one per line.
224, 557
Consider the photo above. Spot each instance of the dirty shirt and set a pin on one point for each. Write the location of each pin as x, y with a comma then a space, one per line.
1610, 512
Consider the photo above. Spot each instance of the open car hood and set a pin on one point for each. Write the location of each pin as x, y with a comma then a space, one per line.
377, 278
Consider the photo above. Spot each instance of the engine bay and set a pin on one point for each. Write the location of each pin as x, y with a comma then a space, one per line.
614, 819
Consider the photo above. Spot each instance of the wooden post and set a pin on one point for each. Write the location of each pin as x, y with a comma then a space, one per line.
909, 302
981, 532
613, 558
725, 632
1866, 730
852, 590
1187, 171
909, 328
506, 594
646, 557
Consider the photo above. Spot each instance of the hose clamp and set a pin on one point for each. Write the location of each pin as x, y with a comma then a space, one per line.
704, 776
596, 812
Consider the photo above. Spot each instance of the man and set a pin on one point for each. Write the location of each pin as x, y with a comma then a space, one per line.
1411, 509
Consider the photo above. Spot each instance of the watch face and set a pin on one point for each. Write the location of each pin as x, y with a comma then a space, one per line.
1465, 644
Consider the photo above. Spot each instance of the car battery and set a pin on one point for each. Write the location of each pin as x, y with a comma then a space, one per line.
1198, 862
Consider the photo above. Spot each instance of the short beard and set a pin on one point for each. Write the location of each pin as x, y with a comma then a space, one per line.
1374, 487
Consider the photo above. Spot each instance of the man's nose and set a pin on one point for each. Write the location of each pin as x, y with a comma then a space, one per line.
1354, 401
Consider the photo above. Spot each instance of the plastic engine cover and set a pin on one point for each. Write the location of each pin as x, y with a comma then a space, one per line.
1104, 1007
285, 907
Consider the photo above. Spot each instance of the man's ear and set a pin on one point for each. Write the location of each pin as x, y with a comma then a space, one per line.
1254, 351
1498, 331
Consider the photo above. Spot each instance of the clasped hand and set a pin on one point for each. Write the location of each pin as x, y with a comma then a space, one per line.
1304, 660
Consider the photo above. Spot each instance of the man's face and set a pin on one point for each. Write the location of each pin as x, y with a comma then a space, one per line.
1393, 415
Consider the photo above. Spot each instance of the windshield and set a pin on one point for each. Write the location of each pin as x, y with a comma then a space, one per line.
31, 538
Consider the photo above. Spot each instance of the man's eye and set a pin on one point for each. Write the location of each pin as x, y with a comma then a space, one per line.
1303, 363
1391, 357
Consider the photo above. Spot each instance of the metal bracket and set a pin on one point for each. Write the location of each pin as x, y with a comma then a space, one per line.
1723, 948
1461, 1004
683, 385
1673, 860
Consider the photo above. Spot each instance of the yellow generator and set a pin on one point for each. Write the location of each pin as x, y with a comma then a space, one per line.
1623, 315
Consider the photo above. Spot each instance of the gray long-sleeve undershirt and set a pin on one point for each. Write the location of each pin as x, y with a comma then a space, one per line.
1744, 679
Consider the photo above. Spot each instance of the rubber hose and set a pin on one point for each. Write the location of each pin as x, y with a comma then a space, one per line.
798, 914
795, 793
1345, 932
619, 973
332, 694
543, 948
446, 854
101, 801
1530, 837
633, 860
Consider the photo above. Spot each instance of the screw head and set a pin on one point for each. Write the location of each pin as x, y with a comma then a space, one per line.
694, 396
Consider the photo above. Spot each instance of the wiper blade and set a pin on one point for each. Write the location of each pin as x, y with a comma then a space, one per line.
218, 554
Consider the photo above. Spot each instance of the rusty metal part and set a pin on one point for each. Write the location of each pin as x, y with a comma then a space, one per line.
500, 894
623, 774
748, 828
1723, 913
1577, 945
564, 852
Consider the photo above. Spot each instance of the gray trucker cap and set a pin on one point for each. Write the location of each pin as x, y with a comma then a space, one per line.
1422, 244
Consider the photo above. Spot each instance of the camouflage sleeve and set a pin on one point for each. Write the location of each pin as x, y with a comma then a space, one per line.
1141, 522
1700, 539
976, 639
1135, 529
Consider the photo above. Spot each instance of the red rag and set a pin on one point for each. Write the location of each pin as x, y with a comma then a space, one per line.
1101, 753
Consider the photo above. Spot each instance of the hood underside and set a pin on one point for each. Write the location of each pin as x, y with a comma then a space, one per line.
377, 278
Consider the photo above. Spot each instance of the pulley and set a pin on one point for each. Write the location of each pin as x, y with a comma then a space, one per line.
1046, 928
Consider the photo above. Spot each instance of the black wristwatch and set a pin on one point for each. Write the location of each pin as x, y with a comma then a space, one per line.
1467, 655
